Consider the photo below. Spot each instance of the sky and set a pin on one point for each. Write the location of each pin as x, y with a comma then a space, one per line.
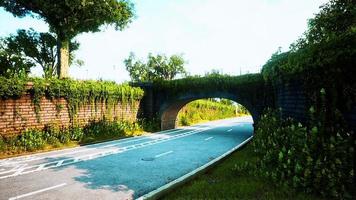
232, 36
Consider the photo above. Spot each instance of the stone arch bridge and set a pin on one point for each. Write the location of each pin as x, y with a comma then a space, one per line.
163, 100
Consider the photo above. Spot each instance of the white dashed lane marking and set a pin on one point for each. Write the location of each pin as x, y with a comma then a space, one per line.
37, 191
163, 154
229, 130
209, 138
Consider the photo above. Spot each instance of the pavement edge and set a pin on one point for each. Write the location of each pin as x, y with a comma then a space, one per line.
159, 192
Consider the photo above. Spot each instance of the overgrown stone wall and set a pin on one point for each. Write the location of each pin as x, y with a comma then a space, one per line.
292, 99
19, 114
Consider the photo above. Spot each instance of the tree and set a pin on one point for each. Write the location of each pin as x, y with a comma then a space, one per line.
158, 67
39, 48
335, 19
12, 64
69, 18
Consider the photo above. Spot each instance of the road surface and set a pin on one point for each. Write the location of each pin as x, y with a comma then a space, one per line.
120, 169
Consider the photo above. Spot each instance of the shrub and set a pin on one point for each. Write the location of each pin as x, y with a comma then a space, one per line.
104, 130
31, 140
76, 133
51, 134
307, 158
2, 144
150, 125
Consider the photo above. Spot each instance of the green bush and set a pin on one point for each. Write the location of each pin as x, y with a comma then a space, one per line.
56, 136
312, 158
105, 130
149, 125
31, 140
2, 144
76, 133
52, 133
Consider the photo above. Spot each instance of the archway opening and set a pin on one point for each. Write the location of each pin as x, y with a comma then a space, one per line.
211, 109
170, 118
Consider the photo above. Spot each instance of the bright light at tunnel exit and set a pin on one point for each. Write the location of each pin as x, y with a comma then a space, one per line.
210, 109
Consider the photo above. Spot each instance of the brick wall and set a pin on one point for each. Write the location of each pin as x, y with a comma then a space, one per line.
19, 114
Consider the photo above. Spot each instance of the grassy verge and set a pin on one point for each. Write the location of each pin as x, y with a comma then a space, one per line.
228, 181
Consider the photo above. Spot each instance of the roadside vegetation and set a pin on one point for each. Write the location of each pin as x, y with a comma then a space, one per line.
65, 24
55, 136
287, 159
318, 155
299, 160
209, 110
77, 94
233, 179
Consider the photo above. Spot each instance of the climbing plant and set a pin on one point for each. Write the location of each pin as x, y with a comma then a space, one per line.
213, 82
77, 93
317, 156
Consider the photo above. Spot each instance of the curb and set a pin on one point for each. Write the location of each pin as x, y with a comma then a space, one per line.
159, 192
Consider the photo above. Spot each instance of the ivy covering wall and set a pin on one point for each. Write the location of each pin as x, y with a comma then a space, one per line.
76, 93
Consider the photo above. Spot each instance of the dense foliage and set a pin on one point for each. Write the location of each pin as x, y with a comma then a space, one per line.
69, 18
309, 158
208, 110
232, 179
32, 48
158, 67
214, 82
54, 136
13, 64
328, 44
324, 57
76, 93
319, 155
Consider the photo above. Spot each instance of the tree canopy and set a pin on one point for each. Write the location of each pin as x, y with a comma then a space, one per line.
69, 18
12, 64
328, 44
158, 67
34, 49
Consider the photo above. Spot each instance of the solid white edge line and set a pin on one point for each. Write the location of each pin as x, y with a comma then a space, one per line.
182, 178
37, 191
163, 154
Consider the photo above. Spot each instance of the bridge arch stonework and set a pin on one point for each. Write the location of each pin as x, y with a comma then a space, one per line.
163, 102
169, 109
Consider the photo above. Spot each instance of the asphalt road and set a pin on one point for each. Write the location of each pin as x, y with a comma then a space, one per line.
120, 169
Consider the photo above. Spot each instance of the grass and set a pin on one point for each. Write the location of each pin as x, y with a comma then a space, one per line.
226, 181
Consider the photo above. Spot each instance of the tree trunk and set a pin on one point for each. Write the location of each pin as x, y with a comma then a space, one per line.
63, 58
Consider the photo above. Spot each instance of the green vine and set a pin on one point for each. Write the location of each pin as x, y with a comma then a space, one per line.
223, 83
77, 93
